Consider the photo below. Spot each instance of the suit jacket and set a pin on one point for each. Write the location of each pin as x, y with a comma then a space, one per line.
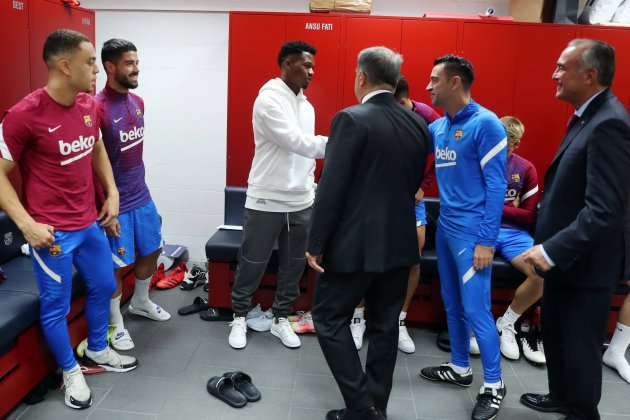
363, 218
586, 193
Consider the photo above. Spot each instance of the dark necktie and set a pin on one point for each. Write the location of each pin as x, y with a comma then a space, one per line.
574, 120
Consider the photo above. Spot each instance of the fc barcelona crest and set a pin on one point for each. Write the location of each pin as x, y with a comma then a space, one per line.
139, 112
516, 177
54, 250
88, 120
121, 251
458, 134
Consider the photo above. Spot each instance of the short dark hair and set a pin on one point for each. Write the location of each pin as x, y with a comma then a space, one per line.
292, 48
402, 88
598, 55
457, 66
62, 40
114, 48
380, 65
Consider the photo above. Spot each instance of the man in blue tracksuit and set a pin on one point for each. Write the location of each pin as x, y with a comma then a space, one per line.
470, 159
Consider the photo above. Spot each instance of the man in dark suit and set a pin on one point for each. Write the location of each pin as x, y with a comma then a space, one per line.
580, 249
363, 236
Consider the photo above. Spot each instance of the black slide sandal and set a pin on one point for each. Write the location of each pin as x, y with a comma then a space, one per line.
198, 305
223, 389
216, 314
243, 383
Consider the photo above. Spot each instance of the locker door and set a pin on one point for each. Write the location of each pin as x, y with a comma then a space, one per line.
492, 49
14, 50
620, 40
363, 33
422, 43
324, 34
255, 40
46, 16
535, 102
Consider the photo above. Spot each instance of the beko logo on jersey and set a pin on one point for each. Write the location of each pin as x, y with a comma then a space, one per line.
134, 134
450, 156
82, 143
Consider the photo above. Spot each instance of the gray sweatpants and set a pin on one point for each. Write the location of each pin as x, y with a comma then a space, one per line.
260, 231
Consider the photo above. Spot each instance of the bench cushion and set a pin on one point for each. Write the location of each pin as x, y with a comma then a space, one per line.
11, 239
19, 297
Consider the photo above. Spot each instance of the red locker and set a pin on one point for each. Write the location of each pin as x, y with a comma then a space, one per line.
492, 49
535, 102
363, 33
46, 16
422, 42
620, 40
255, 40
323, 33
14, 50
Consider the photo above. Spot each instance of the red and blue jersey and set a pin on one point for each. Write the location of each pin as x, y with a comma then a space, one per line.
52, 145
522, 182
429, 115
121, 116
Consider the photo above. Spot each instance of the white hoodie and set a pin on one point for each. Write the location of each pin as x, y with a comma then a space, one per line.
285, 145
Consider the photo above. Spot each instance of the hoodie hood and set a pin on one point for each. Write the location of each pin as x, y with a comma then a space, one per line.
278, 86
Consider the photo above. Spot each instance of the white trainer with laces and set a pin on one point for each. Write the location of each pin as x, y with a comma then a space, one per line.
109, 360
281, 328
238, 334
357, 329
532, 348
405, 343
509, 346
76, 391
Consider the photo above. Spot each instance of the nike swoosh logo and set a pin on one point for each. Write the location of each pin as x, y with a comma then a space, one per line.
116, 120
52, 130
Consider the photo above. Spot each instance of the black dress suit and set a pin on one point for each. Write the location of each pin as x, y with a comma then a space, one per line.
363, 225
579, 225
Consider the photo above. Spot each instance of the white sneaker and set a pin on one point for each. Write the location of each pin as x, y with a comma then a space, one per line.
77, 393
260, 323
474, 346
238, 334
532, 349
121, 340
281, 328
357, 328
509, 347
405, 343
109, 360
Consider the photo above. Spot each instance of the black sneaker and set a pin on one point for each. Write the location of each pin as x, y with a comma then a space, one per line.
445, 373
488, 403
194, 278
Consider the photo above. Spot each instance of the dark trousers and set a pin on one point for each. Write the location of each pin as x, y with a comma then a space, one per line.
336, 297
260, 231
574, 325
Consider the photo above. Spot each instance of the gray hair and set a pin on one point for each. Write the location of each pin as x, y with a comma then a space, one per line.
380, 65
597, 55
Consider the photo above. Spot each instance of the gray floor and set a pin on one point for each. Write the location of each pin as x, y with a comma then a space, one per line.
179, 356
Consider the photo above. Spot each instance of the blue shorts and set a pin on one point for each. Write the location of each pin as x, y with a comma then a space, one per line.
140, 231
513, 242
421, 214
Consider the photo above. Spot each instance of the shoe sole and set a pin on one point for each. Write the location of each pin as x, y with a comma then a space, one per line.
543, 410
237, 347
275, 334
146, 314
78, 407
445, 381
109, 368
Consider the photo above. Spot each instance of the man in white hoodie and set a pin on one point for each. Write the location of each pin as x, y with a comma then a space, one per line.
280, 192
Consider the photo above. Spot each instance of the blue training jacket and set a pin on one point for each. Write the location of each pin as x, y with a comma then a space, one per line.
470, 160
